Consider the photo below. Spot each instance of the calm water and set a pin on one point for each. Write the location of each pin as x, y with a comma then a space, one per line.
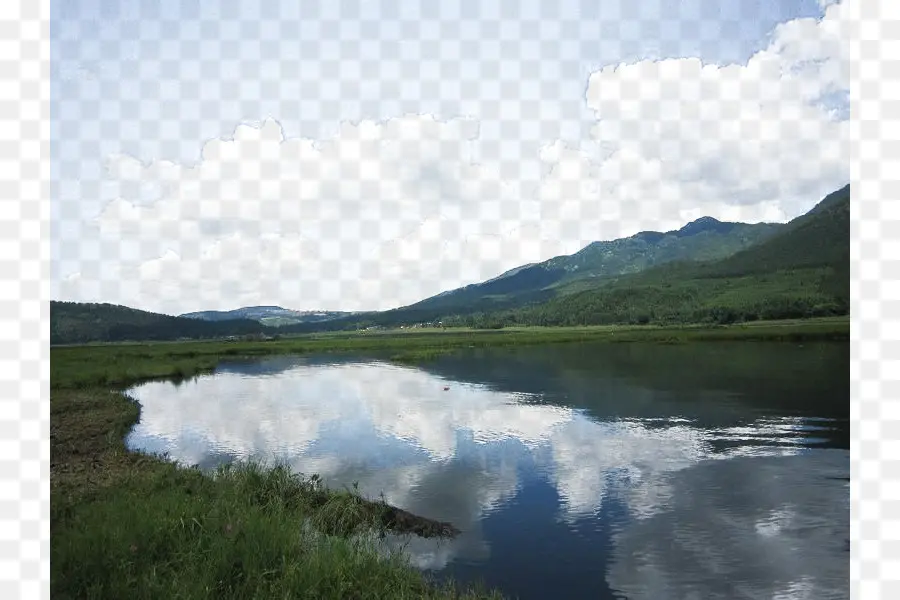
581, 471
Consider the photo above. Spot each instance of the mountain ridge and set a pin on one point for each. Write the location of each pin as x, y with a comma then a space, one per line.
83, 322
272, 315
793, 270
703, 238
821, 288
802, 271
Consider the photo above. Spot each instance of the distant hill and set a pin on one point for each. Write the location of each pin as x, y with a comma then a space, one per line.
76, 323
801, 271
273, 316
701, 240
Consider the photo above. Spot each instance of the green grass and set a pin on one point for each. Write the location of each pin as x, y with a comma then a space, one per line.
246, 532
120, 364
129, 525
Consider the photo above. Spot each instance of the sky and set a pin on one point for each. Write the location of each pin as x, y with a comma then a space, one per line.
364, 155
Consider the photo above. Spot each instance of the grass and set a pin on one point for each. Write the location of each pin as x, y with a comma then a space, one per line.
121, 364
130, 525
245, 532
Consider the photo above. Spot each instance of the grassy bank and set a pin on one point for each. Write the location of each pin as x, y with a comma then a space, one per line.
130, 525
121, 364
126, 525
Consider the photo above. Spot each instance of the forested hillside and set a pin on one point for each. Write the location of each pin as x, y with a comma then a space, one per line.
802, 271
75, 323
700, 240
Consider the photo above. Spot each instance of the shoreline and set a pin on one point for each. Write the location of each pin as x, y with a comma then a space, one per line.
118, 517
98, 364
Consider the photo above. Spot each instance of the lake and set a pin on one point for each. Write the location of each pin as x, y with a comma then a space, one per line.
592, 470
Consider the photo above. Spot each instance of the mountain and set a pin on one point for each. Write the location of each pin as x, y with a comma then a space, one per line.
819, 238
707, 271
76, 323
801, 271
703, 239
597, 264
273, 316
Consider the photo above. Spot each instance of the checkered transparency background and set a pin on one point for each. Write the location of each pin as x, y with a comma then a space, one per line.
875, 302
24, 256
24, 265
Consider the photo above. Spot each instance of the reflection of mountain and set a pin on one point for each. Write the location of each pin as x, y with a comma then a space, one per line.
468, 452
277, 364
629, 380
714, 385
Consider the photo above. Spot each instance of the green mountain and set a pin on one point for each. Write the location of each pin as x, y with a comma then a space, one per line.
703, 239
707, 271
801, 271
820, 238
273, 316
77, 323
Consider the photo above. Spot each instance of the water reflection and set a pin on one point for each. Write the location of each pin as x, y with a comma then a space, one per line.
672, 487
746, 528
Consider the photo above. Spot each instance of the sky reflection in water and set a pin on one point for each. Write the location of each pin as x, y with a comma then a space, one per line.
706, 500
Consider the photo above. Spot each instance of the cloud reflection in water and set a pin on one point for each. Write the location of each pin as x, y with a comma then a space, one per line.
460, 454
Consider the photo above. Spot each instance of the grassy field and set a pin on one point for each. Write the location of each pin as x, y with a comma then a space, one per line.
129, 525
125, 363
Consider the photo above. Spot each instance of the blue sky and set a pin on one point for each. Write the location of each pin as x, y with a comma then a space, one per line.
430, 144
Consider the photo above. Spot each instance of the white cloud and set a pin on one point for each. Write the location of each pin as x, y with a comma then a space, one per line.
382, 214
386, 213
679, 139
755, 141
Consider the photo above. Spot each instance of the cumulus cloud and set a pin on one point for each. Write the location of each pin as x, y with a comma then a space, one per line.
381, 214
755, 140
678, 139
385, 213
